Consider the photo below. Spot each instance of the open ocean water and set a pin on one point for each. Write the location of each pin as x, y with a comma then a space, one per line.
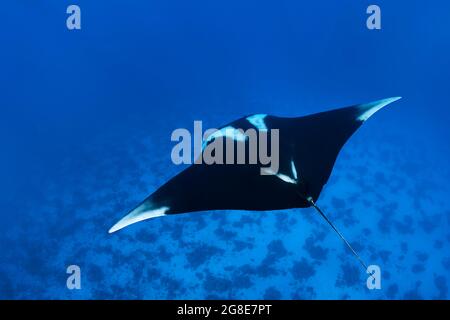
85, 124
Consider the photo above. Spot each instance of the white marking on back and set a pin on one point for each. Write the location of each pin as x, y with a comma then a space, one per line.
285, 178
227, 132
294, 171
258, 121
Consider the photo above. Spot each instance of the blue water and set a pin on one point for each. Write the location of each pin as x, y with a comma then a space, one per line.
85, 125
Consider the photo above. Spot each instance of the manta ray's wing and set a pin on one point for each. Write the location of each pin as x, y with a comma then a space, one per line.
316, 140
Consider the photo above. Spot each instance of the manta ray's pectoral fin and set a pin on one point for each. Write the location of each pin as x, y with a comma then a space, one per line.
320, 137
142, 212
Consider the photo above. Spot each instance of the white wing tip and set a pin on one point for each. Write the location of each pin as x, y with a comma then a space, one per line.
368, 109
136, 216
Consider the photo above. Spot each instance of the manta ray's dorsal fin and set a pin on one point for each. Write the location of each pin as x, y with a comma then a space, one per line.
311, 201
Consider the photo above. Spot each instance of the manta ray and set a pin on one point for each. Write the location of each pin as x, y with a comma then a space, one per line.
308, 148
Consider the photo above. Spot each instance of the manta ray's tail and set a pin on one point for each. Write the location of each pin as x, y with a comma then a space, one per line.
311, 201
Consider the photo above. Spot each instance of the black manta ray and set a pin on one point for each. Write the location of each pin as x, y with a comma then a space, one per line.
308, 148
